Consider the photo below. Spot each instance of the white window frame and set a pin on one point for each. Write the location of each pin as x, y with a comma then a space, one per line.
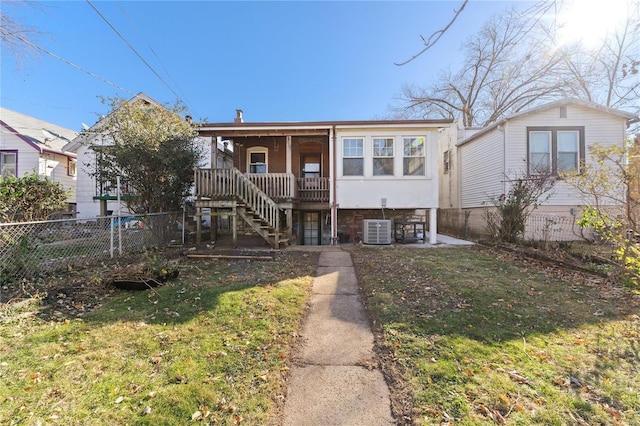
387, 153
534, 168
353, 153
14, 169
408, 155
258, 150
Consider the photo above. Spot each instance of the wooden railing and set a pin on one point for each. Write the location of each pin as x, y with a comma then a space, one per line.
313, 190
230, 183
216, 183
278, 186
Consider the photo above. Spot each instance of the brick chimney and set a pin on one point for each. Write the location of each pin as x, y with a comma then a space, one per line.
238, 118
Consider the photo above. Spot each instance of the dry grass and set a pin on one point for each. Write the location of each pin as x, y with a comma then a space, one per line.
481, 336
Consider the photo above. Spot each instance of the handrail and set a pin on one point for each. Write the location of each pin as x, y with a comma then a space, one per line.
230, 182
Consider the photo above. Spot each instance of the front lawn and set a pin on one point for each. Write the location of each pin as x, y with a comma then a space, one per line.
474, 336
211, 347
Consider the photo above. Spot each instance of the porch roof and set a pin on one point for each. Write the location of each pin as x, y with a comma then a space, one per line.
309, 127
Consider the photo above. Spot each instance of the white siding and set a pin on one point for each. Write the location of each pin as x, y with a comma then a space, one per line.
363, 192
449, 189
51, 165
599, 128
481, 170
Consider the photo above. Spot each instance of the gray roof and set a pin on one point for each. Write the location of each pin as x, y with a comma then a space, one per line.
40, 134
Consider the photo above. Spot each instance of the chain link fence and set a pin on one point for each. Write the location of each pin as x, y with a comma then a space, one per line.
32, 248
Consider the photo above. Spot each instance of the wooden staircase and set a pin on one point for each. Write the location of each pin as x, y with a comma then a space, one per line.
274, 237
252, 204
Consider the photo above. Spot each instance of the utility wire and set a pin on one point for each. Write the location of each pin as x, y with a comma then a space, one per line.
133, 49
156, 56
66, 61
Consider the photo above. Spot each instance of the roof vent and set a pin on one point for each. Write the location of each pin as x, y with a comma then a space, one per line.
238, 118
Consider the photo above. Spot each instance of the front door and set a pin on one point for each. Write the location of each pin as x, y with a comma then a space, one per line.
311, 228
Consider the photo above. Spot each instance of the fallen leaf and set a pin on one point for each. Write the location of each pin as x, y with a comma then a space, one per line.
119, 399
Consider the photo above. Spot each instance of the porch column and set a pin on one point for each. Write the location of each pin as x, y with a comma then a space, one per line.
234, 222
433, 225
288, 213
198, 225
213, 222
289, 167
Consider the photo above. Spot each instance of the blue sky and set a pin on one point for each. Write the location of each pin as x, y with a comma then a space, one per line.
277, 61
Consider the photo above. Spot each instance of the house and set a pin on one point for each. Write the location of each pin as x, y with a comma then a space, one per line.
97, 197
477, 164
29, 145
318, 183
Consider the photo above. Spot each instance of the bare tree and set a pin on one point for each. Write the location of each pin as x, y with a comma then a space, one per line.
515, 63
505, 71
17, 37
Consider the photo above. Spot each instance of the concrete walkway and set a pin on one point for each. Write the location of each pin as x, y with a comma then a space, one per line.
335, 379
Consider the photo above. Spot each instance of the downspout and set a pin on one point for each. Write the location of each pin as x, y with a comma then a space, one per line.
334, 205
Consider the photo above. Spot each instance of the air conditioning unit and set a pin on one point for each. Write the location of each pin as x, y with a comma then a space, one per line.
376, 231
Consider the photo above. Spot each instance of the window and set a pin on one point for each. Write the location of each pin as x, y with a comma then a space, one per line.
257, 158
71, 167
568, 151
8, 164
353, 157
383, 156
555, 150
413, 156
539, 152
446, 161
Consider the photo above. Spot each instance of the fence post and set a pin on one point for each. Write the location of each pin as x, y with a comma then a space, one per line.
111, 237
184, 221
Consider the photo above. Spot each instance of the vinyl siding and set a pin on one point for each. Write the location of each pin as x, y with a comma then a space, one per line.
599, 128
481, 167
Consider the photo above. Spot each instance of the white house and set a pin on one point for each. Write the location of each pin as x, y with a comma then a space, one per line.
95, 198
316, 183
556, 137
29, 145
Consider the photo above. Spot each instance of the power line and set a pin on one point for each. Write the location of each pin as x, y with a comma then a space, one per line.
133, 49
132, 23
66, 61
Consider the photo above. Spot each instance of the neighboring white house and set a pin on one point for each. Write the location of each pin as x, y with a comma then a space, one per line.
555, 137
29, 145
95, 198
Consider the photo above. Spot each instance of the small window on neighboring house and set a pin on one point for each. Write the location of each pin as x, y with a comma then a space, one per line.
8, 164
383, 156
446, 161
353, 157
555, 150
414, 156
71, 167
258, 160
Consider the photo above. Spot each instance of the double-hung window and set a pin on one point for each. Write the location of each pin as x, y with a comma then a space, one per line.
555, 150
257, 159
383, 156
353, 157
414, 156
8, 163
